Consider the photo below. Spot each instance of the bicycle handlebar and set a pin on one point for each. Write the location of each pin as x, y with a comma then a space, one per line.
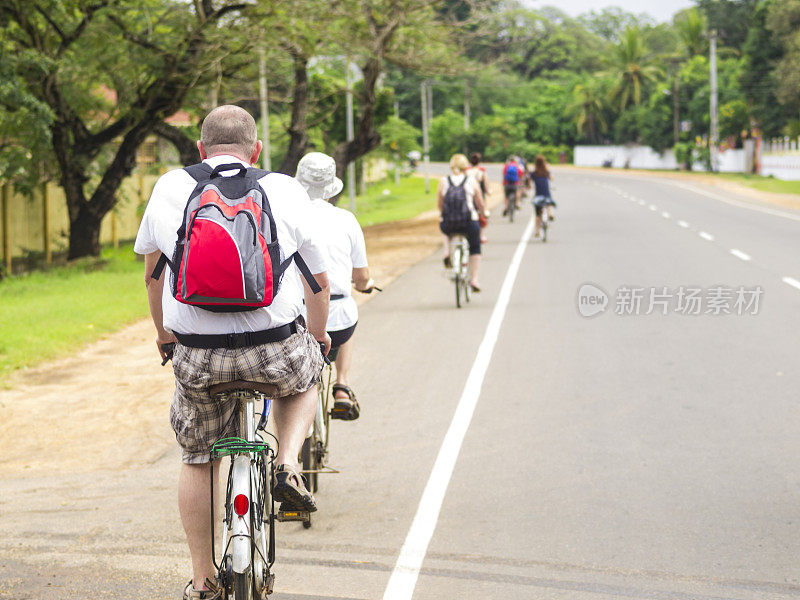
168, 350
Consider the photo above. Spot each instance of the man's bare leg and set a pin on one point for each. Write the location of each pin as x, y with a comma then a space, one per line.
293, 417
193, 502
343, 361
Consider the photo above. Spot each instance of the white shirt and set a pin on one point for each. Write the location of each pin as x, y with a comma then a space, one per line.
343, 242
297, 231
469, 187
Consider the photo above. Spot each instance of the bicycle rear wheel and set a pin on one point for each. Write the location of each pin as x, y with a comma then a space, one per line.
243, 586
456, 260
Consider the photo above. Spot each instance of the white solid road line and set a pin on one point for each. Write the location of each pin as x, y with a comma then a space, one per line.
706, 236
792, 282
740, 254
683, 224
406, 571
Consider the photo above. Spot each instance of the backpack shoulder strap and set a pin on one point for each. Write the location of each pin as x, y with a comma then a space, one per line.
304, 270
199, 172
163, 261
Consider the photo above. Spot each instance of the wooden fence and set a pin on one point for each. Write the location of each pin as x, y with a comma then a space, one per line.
38, 223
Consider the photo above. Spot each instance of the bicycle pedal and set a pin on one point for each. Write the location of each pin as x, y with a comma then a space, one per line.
294, 515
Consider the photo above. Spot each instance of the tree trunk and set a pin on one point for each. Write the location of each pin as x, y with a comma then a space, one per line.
298, 134
366, 138
84, 234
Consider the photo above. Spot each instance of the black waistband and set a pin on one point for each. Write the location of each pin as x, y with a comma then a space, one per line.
237, 340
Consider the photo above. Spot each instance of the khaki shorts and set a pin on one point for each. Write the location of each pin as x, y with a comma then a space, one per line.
200, 419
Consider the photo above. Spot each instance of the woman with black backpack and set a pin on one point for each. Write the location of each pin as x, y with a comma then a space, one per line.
460, 202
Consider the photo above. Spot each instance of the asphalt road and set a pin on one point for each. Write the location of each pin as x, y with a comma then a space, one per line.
618, 456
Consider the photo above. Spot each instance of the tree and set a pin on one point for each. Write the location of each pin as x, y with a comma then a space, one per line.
729, 18
108, 72
691, 26
783, 19
629, 66
587, 107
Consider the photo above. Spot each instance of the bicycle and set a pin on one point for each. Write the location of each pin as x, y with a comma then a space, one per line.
511, 202
544, 218
314, 453
459, 259
248, 535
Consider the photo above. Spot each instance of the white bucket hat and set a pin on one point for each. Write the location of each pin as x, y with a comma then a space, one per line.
317, 173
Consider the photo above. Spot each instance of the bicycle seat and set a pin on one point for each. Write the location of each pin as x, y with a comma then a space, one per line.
238, 384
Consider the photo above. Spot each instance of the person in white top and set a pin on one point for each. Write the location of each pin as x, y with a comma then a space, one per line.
343, 241
269, 344
471, 228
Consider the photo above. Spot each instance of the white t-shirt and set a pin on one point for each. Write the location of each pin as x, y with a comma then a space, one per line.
297, 231
470, 186
343, 242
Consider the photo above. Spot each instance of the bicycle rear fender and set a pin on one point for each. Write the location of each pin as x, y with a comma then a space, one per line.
240, 526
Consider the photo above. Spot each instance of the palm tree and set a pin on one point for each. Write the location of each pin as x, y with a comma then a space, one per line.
586, 109
691, 26
629, 68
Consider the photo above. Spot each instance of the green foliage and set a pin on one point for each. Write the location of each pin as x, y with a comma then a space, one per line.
629, 65
398, 136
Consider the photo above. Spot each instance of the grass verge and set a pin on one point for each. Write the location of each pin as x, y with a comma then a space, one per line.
46, 314
403, 201
763, 184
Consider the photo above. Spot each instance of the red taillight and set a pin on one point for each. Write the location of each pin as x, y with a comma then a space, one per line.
241, 504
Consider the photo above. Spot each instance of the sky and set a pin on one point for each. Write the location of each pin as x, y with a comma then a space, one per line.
661, 10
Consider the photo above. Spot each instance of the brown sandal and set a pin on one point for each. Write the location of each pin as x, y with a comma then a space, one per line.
290, 489
214, 591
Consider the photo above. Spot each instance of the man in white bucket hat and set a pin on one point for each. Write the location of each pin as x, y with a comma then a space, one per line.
343, 241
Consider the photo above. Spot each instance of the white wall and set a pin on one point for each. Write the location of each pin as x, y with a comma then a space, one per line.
644, 157
782, 166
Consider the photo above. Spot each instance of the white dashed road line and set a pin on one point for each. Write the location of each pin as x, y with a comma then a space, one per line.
683, 224
792, 282
653, 207
665, 214
706, 236
740, 254
642, 202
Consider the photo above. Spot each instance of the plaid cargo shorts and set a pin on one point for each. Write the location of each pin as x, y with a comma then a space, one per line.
200, 419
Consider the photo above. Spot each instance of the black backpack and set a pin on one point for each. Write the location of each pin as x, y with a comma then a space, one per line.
456, 214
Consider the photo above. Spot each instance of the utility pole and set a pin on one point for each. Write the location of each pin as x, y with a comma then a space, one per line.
426, 157
396, 151
351, 166
430, 103
676, 122
714, 133
466, 105
262, 96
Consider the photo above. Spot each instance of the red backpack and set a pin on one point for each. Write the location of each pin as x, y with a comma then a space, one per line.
227, 257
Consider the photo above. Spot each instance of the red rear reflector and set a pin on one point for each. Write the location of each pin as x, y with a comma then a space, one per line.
241, 504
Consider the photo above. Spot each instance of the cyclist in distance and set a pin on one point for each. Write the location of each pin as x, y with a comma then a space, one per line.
343, 242
268, 344
450, 187
478, 172
542, 198
512, 176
